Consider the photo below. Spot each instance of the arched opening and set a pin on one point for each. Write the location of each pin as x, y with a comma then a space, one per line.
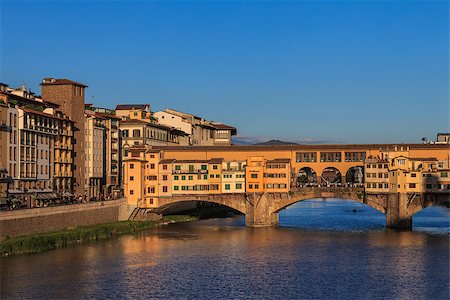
432, 219
331, 177
331, 214
200, 209
355, 176
306, 177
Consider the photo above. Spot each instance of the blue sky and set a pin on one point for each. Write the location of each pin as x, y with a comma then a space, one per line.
333, 71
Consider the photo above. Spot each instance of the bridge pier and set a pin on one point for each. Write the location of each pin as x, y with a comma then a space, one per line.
397, 213
258, 212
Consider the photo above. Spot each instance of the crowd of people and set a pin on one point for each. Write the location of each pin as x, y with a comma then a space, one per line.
31, 201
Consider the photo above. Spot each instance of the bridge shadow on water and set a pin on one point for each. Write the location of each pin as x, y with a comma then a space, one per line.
345, 215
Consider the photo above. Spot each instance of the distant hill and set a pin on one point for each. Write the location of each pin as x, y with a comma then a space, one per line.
275, 142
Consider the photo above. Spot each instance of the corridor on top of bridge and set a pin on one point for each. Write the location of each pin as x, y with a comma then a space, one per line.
330, 176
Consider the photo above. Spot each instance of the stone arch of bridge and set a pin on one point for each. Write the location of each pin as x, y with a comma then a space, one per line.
236, 204
424, 201
283, 203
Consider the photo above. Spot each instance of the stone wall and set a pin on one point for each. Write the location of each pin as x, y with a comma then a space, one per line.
29, 221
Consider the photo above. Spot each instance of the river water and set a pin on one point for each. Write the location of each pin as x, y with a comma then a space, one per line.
326, 249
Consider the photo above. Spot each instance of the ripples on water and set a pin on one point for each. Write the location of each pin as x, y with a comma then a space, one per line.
322, 249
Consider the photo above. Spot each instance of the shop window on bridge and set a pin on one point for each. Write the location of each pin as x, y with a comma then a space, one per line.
306, 156
355, 156
330, 157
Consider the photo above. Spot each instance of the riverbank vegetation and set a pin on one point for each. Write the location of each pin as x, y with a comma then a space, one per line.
59, 239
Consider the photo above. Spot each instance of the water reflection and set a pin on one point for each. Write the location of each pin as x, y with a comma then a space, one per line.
222, 258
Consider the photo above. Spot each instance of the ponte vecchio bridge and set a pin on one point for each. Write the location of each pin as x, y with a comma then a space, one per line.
264, 195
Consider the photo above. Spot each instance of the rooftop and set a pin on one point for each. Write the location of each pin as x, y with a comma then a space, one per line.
61, 81
132, 106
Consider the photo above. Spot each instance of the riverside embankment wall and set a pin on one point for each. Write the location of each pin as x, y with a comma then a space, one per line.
37, 220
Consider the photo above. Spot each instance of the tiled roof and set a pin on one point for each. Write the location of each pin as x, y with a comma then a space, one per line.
308, 147
279, 160
61, 81
424, 159
167, 161
191, 161
32, 111
215, 160
131, 106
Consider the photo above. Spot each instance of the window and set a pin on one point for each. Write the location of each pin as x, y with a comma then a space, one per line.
227, 187
131, 192
175, 177
413, 174
250, 186
205, 176
256, 186
217, 175
175, 188
164, 189
131, 166
254, 175
444, 174
204, 167
131, 178
401, 162
238, 186
164, 177
412, 185
178, 167
429, 186
152, 166
214, 167
191, 177
136, 133
330, 156
164, 167
183, 177
306, 156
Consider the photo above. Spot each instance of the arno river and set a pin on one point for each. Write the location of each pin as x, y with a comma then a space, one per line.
321, 249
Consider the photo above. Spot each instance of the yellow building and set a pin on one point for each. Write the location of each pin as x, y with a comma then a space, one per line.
277, 175
233, 176
254, 174
215, 175
397, 172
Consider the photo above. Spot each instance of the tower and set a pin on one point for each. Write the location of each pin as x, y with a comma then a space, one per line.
70, 96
